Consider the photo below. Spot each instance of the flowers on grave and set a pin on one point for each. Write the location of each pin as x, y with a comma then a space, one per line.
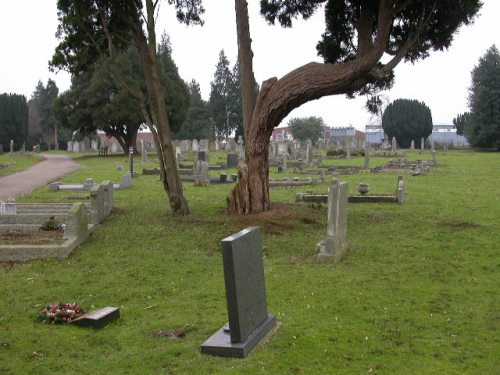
50, 224
60, 313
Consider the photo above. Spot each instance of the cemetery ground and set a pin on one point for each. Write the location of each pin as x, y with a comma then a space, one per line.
416, 293
13, 163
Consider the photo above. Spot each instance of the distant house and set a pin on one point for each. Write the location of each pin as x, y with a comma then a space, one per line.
447, 134
341, 135
282, 134
374, 134
441, 134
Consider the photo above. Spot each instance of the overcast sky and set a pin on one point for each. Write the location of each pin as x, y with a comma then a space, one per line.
27, 30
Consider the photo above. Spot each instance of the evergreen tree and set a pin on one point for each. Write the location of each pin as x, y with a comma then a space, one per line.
235, 102
482, 128
460, 122
176, 90
220, 102
407, 120
197, 122
13, 120
44, 126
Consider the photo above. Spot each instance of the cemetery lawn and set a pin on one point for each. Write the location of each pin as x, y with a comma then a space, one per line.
23, 161
417, 293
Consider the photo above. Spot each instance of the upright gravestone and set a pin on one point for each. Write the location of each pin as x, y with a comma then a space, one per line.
367, 158
394, 144
76, 146
114, 148
249, 321
335, 246
422, 144
309, 153
285, 163
93, 145
432, 145
232, 160
348, 150
11, 146
412, 145
144, 153
201, 177
433, 157
1, 149
82, 147
239, 146
202, 155
70, 146
400, 190
194, 146
23, 148
131, 161
87, 144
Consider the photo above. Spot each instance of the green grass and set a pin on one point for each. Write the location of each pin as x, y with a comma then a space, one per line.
23, 161
417, 293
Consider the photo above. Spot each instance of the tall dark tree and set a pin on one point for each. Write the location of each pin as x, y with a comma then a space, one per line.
96, 102
482, 128
220, 98
235, 101
45, 124
13, 120
90, 30
460, 122
358, 34
197, 122
305, 128
407, 120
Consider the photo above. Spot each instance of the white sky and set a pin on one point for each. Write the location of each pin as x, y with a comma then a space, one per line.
27, 42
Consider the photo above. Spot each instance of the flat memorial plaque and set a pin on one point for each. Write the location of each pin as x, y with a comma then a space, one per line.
98, 318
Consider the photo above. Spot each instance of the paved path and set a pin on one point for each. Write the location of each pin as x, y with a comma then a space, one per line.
53, 167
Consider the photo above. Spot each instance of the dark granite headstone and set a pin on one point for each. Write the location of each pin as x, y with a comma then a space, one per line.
98, 318
232, 160
249, 321
202, 155
1, 149
223, 177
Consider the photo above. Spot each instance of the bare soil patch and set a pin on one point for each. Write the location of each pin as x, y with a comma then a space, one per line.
459, 225
40, 237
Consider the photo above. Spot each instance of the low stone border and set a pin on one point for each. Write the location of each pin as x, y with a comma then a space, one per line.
75, 233
398, 197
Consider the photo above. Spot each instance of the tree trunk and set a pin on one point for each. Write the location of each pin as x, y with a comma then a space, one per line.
147, 51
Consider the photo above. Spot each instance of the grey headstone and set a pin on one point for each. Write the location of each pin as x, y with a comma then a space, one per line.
202, 155
394, 144
412, 145
131, 161
11, 146
335, 246
99, 318
1, 149
422, 144
232, 160
70, 146
249, 321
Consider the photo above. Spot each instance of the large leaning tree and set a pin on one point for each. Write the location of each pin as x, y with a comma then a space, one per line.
95, 30
359, 33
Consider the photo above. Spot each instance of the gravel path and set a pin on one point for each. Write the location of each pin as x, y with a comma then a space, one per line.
48, 170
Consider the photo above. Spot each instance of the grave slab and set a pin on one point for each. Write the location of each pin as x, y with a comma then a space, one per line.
99, 318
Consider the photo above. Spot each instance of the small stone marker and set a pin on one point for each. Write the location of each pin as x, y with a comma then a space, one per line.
98, 318
249, 321
11, 146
